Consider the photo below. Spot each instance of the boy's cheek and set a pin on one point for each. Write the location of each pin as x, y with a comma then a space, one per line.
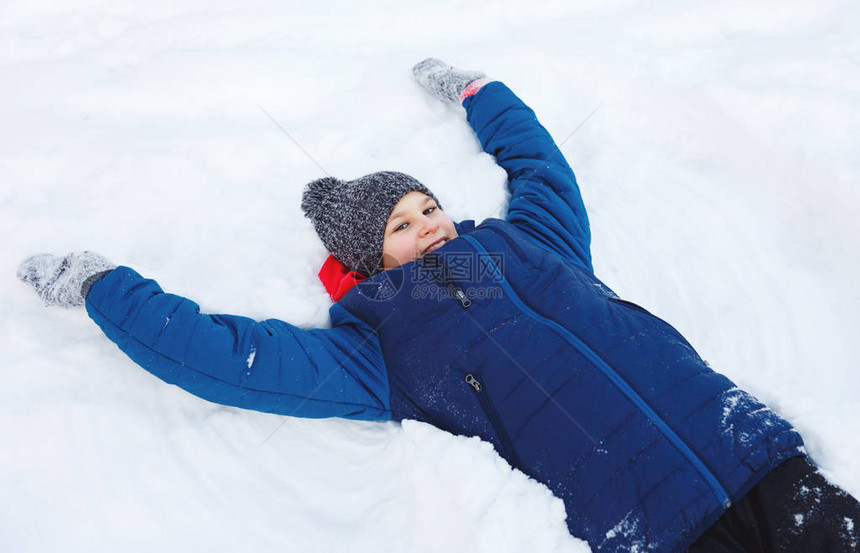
396, 254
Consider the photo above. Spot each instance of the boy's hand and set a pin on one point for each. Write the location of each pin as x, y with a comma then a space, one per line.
444, 81
63, 281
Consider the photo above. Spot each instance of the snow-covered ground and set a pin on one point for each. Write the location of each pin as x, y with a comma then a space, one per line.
720, 171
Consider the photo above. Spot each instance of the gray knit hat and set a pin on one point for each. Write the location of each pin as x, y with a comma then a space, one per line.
350, 216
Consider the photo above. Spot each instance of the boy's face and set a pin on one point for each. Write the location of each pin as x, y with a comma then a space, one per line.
416, 226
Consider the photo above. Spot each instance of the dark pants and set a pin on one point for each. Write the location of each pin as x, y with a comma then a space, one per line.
793, 508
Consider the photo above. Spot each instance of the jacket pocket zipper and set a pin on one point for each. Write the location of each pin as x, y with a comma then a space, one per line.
460, 295
492, 414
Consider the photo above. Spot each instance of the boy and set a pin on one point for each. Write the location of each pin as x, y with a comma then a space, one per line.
498, 330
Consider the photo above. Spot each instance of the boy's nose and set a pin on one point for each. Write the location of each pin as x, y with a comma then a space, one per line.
429, 227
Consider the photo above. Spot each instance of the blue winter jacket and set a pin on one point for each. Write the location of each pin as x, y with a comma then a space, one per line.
503, 333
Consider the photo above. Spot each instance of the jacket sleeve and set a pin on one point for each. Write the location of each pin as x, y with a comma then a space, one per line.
267, 366
545, 199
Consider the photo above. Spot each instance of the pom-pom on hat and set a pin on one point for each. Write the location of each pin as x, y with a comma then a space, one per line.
350, 216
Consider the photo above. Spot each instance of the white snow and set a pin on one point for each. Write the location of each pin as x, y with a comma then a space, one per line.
720, 172
798, 519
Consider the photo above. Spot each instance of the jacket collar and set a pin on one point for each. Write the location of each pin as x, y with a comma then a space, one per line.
337, 279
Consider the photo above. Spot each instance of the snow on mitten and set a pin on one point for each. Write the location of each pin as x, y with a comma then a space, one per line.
64, 281
447, 82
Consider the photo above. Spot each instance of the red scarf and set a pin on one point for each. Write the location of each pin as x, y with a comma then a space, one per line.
337, 279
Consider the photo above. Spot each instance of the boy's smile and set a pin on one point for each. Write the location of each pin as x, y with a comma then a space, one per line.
415, 227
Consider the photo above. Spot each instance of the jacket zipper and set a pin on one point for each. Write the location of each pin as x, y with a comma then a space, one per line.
492, 415
617, 380
474, 381
455, 291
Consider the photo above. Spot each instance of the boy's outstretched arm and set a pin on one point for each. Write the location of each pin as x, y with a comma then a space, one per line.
269, 366
545, 198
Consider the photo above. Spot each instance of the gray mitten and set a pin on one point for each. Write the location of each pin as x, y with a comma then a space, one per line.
442, 80
64, 281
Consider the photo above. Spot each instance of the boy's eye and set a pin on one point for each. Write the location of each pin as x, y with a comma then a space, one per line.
427, 211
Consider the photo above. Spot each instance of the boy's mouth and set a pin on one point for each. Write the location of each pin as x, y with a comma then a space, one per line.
435, 245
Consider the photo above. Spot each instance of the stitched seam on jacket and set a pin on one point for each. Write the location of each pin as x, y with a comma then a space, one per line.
668, 529
680, 383
704, 404
550, 397
616, 474
641, 499
583, 457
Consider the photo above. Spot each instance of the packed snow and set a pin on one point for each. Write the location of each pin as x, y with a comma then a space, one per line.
715, 144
